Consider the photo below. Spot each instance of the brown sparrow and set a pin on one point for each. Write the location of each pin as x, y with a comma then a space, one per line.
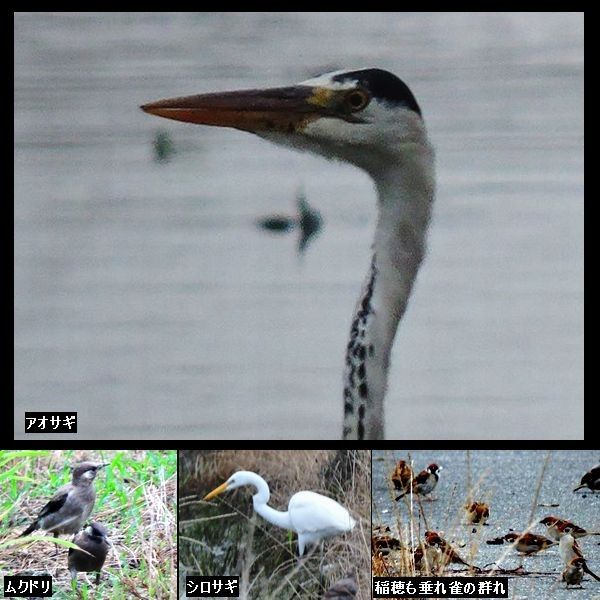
590, 480
402, 475
555, 526
427, 557
450, 555
477, 512
526, 543
384, 543
569, 549
573, 572
425, 482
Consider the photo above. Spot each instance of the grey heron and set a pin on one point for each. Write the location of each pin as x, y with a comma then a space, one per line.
369, 118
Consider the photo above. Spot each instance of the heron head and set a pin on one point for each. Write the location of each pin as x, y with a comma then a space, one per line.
358, 116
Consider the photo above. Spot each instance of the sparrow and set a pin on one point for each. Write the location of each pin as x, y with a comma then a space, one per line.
573, 572
384, 543
93, 540
402, 476
425, 482
525, 543
427, 558
555, 526
569, 549
71, 505
477, 512
590, 480
433, 539
418, 555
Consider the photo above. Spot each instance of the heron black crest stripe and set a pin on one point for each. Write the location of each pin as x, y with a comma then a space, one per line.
383, 85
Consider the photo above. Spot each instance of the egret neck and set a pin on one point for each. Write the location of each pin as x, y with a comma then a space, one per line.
259, 501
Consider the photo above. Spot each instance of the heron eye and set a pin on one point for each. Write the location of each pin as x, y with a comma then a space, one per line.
357, 100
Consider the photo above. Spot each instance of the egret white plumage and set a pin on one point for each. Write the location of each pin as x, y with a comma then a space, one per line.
312, 516
369, 118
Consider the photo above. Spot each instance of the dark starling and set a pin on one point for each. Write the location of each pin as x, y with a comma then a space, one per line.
93, 540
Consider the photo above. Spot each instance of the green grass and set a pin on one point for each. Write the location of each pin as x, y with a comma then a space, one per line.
136, 500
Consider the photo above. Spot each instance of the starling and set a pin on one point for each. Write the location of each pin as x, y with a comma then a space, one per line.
68, 509
93, 540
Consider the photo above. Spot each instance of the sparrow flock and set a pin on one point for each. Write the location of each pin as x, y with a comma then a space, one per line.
433, 554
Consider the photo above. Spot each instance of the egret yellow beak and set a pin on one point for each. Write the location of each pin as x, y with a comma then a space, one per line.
222, 488
286, 109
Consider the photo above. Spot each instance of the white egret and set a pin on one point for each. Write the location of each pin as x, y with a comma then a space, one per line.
312, 516
369, 118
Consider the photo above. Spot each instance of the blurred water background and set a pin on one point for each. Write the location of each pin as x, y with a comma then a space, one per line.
147, 299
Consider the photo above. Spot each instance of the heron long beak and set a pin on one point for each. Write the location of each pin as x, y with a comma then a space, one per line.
284, 109
222, 488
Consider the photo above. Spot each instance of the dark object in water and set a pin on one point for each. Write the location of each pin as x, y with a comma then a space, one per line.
277, 223
308, 221
163, 146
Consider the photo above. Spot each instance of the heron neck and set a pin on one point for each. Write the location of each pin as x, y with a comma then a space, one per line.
405, 195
